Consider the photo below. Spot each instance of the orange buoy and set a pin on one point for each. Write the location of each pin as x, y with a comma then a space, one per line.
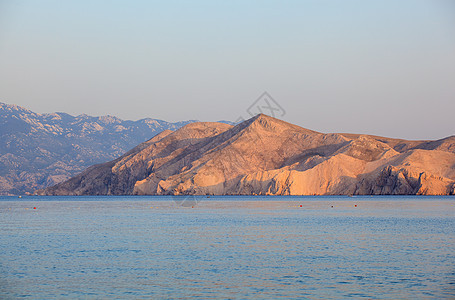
34, 208
300, 205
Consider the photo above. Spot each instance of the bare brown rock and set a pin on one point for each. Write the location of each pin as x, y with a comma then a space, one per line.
267, 156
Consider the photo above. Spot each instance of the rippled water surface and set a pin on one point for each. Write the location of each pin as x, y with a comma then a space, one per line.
227, 247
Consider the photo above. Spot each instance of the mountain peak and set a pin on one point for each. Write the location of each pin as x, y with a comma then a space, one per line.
265, 122
264, 117
13, 107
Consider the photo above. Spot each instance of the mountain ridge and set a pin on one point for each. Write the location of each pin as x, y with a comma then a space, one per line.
39, 150
268, 156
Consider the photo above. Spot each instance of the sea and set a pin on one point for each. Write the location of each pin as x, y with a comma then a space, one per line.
227, 247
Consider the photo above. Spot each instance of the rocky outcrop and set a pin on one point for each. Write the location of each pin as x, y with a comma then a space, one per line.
267, 156
419, 172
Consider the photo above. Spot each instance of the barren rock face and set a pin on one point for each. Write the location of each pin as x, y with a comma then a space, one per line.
267, 156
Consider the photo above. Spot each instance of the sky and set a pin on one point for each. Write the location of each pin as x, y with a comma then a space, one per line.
378, 67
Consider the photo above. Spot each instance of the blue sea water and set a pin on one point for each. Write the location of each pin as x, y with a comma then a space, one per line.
227, 248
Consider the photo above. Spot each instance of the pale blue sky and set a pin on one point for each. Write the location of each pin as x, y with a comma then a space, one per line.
379, 67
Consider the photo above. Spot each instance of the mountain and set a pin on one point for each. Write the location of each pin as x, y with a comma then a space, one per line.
267, 156
40, 150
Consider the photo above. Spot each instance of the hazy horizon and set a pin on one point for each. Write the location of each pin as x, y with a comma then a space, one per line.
384, 68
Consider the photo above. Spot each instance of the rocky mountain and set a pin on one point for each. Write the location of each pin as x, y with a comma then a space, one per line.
267, 156
40, 150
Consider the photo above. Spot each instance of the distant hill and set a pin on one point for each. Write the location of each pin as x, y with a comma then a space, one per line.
40, 150
267, 156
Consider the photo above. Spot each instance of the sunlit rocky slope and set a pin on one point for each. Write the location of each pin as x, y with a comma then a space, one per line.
40, 150
267, 156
